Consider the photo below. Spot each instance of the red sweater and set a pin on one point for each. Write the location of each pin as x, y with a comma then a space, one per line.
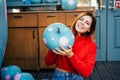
83, 60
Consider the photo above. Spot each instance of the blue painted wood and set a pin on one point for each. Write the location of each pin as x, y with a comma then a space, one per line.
3, 30
101, 33
108, 33
13, 0
113, 44
22, 4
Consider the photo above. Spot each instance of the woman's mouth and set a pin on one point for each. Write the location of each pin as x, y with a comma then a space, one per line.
80, 26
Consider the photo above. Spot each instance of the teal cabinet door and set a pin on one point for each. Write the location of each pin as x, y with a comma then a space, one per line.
101, 13
3, 30
108, 30
113, 32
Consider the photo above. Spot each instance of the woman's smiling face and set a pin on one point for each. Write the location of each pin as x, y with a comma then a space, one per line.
83, 24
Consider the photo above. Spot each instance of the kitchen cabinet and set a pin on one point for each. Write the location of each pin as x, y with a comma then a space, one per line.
70, 16
22, 20
22, 48
22, 45
25, 46
43, 51
47, 19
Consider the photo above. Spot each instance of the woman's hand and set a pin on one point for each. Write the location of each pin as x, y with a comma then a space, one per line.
65, 52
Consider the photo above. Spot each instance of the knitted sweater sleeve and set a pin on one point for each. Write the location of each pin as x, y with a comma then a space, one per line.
84, 67
50, 58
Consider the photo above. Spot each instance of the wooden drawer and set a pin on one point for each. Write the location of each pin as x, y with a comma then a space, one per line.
70, 17
22, 20
46, 19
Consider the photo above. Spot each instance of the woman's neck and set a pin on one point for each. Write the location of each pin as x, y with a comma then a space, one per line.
78, 34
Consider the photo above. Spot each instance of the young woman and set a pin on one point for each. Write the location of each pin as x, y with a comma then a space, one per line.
77, 62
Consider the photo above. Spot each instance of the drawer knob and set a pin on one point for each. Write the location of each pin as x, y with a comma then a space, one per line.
18, 16
50, 16
76, 15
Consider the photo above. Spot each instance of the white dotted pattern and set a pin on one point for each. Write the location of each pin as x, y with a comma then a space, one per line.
63, 41
71, 2
7, 77
17, 77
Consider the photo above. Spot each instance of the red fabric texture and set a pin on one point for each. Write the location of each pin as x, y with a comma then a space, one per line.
83, 60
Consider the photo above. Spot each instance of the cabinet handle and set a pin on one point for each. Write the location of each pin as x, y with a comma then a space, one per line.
18, 16
76, 15
50, 16
33, 34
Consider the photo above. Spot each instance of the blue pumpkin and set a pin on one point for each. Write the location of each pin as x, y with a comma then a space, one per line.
69, 4
51, 1
23, 76
57, 34
36, 1
8, 72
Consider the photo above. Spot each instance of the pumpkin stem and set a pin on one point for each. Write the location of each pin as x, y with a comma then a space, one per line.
58, 30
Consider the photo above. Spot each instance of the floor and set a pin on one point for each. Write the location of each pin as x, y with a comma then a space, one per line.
102, 71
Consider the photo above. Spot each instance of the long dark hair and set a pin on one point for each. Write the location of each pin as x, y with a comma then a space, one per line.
93, 25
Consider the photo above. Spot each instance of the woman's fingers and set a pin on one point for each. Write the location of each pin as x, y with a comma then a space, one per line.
63, 51
69, 46
57, 51
66, 50
62, 48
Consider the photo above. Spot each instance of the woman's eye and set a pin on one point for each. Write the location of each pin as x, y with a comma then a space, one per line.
81, 19
87, 23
